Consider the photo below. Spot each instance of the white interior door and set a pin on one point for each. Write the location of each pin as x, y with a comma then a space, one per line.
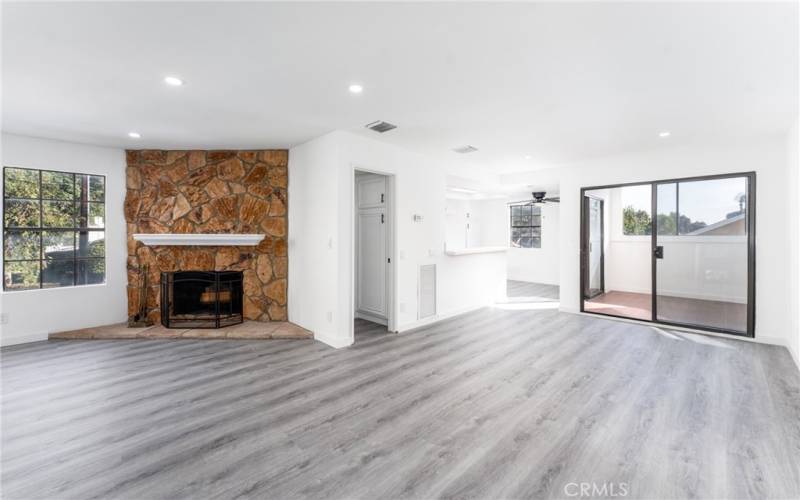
371, 247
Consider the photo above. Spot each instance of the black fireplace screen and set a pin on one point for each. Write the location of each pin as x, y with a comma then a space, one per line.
201, 299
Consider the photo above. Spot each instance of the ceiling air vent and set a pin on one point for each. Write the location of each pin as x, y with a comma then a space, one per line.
380, 126
465, 149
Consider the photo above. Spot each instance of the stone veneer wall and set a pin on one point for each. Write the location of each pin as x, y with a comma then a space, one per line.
210, 192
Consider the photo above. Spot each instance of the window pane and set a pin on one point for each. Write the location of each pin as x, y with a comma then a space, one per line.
716, 207
97, 215
91, 271
97, 188
667, 219
90, 187
21, 213
91, 243
56, 273
536, 243
526, 242
57, 185
58, 214
21, 245
21, 275
516, 210
515, 237
58, 244
91, 215
82, 187
636, 203
20, 183
536, 220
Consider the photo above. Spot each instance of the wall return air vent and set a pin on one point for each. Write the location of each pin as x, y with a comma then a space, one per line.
380, 126
465, 149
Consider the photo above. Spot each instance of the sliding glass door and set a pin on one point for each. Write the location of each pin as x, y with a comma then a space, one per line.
678, 251
701, 253
617, 265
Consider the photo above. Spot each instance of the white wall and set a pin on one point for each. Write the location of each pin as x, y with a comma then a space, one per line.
489, 220
313, 236
33, 314
455, 214
538, 265
792, 193
321, 235
488, 223
767, 157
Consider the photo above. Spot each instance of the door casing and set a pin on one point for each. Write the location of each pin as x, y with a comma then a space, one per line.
391, 220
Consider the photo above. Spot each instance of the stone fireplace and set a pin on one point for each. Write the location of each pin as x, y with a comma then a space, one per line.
209, 192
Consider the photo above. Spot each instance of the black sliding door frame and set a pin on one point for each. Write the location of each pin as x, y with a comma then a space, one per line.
586, 234
751, 250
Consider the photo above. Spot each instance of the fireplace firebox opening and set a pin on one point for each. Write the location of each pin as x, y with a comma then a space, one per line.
201, 299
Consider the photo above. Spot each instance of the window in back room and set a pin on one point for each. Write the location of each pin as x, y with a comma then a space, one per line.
526, 226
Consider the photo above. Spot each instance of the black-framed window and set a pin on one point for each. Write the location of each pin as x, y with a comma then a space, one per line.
53, 229
715, 207
526, 226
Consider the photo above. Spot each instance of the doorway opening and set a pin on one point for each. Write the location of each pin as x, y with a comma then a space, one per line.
373, 255
678, 252
532, 238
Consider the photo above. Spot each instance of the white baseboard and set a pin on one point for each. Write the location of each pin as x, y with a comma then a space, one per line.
438, 317
22, 338
334, 341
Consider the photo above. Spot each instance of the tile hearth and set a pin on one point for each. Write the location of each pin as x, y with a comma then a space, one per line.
253, 330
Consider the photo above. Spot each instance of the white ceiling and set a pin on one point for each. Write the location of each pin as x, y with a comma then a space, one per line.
558, 82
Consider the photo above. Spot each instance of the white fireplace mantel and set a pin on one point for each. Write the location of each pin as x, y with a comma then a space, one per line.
173, 239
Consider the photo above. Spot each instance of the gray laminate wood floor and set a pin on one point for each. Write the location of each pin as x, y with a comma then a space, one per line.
537, 292
492, 404
364, 330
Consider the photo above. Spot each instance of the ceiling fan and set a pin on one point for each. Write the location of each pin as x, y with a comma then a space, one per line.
537, 197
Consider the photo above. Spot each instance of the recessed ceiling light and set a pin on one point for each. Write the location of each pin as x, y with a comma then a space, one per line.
173, 80
355, 88
134, 135
527, 157
664, 134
